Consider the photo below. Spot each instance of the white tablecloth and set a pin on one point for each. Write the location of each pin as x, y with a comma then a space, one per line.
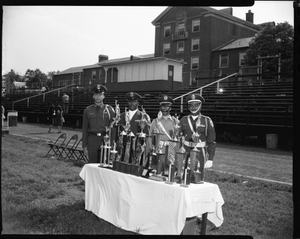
146, 206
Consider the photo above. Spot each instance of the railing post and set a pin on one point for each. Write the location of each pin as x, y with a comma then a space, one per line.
27, 102
201, 91
218, 87
44, 97
181, 106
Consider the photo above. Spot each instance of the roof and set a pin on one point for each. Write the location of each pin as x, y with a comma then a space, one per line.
75, 69
149, 57
236, 43
220, 12
124, 60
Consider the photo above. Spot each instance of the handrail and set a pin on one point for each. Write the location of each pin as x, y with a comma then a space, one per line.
201, 88
27, 98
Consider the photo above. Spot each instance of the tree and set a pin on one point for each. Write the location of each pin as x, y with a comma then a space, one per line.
35, 78
10, 78
271, 41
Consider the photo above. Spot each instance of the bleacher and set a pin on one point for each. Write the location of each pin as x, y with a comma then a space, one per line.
256, 108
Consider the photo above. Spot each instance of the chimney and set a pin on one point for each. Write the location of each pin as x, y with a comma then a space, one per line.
102, 58
249, 16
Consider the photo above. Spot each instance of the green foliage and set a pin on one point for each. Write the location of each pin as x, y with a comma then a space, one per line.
271, 41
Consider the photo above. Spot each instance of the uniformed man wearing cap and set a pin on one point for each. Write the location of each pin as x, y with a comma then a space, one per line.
203, 125
134, 114
95, 118
164, 122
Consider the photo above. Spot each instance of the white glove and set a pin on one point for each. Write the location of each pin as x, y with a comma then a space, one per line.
208, 164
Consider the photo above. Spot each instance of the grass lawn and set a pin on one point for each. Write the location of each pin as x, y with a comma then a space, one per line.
46, 196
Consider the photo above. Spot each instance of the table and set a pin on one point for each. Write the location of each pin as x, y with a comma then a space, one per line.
149, 207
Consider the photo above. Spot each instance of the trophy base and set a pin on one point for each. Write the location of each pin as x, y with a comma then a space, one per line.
146, 172
170, 183
184, 185
105, 166
158, 178
200, 182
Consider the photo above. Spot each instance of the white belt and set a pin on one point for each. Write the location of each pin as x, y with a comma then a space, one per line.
192, 144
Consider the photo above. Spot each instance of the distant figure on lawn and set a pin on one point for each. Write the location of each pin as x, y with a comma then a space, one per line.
60, 118
51, 116
65, 99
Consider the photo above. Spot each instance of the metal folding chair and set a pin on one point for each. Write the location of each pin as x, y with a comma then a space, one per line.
78, 154
54, 145
70, 144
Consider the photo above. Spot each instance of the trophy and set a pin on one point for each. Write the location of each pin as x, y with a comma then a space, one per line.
142, 123
180, 160
186, 174
159, 163
171, 150
105, 149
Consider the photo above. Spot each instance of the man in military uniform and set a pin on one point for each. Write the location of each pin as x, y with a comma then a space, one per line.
203, 125
164, 123
133, 114
95, 118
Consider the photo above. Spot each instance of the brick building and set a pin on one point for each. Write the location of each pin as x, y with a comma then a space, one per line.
191, 34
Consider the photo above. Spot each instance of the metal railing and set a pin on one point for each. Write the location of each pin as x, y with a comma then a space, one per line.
44, 95
201, 89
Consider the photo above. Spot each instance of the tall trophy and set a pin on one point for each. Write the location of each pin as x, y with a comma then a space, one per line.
160, 157
172, 148
105, 149
180, 159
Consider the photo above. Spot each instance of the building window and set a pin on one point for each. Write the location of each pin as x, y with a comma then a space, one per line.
167, 31
181, 28
242, 60
194, 63
112, 75
93, 75
196, 25
224, 61
195, 44
167, 49
180, 47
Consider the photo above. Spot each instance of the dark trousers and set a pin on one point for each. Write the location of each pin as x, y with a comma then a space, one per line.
94, 143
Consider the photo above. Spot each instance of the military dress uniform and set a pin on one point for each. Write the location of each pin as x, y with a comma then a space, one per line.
204, 126
95, 119
134, 125
164, 124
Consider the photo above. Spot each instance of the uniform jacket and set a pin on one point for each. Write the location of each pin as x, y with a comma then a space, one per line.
168, 124
134, 125
206, 131
95, 118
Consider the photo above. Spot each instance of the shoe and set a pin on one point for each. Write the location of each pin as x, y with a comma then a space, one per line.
49, 131
59, 132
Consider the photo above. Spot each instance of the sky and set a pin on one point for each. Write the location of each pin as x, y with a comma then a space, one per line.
52, 38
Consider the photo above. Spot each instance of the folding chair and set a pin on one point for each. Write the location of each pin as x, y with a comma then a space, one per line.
78, 154
54, 145
70, 150
63, 147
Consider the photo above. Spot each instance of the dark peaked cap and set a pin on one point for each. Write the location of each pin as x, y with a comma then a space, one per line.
133, 96
98, 88
195, 98
165, 99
